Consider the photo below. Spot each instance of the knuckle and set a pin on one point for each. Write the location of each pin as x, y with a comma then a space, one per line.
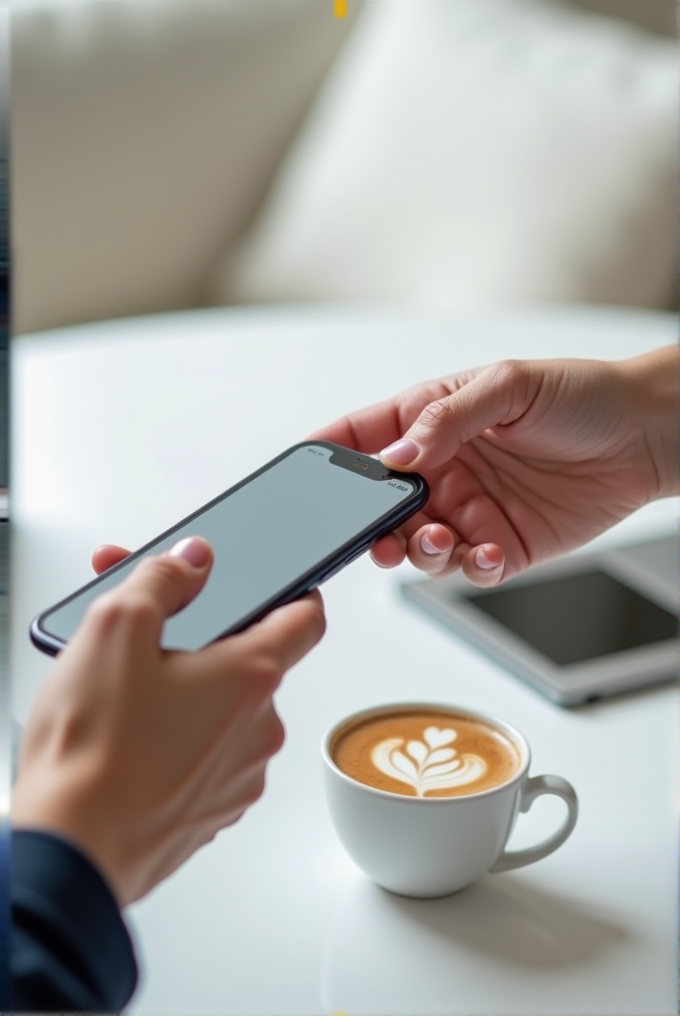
508, 373
276, 735
164, 569
318, 622
266, 674
140, 611
267, 738
113, 610
256, 787
104, 612
206, 836
434, 414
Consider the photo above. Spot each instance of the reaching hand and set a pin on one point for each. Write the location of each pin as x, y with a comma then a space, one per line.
141, 755
525, 459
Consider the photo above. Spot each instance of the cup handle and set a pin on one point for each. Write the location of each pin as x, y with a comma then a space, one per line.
534, 787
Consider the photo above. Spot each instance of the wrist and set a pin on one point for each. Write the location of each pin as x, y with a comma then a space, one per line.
50, 813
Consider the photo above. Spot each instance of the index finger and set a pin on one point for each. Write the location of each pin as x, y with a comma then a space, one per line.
373, 428
367, 430
107, 555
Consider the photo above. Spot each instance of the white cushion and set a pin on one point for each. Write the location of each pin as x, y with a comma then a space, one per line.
477, 152
144, 135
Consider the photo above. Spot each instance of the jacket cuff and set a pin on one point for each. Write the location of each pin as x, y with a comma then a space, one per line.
69, 940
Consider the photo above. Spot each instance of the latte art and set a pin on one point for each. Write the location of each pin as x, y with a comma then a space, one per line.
426, 765
425, 754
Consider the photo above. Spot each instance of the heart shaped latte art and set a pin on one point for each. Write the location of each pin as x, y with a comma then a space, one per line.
435, 737
427, 764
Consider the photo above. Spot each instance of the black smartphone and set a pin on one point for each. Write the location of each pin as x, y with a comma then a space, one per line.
277, 534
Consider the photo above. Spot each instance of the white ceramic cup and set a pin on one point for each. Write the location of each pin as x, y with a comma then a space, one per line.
434, 846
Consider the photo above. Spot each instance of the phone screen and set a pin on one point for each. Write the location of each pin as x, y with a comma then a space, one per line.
266, 533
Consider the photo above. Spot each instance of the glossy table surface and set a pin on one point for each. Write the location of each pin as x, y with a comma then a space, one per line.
122, 428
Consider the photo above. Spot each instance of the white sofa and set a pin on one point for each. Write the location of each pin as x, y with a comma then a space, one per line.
447, 154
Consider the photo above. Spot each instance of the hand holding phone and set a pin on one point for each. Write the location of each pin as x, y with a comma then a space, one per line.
143, 765
278, 533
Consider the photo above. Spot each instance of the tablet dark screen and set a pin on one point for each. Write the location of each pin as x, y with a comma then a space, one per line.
578, 617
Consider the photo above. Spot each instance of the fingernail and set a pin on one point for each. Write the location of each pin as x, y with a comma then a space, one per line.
193, 550
401, 452
482, 561
428, 547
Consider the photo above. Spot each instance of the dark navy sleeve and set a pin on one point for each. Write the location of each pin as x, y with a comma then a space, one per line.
70, 950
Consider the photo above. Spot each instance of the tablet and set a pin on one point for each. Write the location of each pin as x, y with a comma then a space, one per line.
578, 628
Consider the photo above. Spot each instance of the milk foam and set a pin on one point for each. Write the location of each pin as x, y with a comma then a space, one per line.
428, 764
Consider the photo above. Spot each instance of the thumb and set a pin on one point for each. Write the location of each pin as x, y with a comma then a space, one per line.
497, 395
170, 581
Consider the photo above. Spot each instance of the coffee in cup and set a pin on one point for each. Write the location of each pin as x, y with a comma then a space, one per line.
424, 796
425, 753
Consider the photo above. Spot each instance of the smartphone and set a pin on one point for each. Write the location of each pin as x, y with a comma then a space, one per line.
576, 629
276, 535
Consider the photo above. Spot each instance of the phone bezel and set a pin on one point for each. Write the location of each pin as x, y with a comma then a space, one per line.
342, 457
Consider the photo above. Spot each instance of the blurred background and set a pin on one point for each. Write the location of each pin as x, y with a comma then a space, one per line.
440, 154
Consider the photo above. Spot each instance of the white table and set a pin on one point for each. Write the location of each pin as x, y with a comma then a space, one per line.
122, 428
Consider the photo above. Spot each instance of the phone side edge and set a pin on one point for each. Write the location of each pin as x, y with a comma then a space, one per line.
42, 640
